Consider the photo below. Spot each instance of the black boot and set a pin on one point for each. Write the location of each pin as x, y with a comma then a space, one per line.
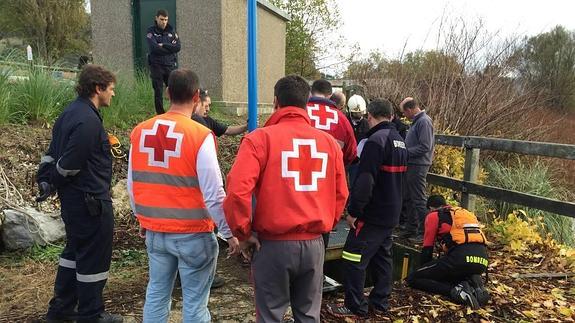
464, 294
479, 289
217, 282
104, 317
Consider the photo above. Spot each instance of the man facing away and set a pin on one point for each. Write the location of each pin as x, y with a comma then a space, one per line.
339, 99
325, 115
163, 46
374, 208
78, 165
419, 142
176, 192
297, 175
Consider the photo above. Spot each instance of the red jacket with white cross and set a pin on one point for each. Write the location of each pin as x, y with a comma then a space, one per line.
297, 175
324, 115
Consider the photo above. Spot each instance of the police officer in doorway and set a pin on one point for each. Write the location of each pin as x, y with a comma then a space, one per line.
163, 45
78, 165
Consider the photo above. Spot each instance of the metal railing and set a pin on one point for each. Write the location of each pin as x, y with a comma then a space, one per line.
470, 188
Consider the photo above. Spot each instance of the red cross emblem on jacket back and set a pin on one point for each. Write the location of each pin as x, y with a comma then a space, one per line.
322, 116
161, 143
304, 164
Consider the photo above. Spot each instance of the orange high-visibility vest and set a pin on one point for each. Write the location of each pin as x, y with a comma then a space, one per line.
165, 185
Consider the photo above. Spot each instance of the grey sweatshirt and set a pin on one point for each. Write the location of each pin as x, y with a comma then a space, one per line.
420, 140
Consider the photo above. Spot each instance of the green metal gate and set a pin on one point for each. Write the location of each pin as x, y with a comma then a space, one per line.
143, 13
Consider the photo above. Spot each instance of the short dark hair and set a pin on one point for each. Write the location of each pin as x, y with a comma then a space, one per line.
380, 108
204, 95
321, 86
435, 201
411, 104
162, 12
338, 98
182, 85
91, 77
292, 90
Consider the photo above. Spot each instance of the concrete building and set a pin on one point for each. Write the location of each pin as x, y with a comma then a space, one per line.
214, 43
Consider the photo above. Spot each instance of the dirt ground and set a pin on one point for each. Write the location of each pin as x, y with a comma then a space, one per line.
26, 278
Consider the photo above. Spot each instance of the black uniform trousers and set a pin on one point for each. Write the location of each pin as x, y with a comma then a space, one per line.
367, 246
439, 276
159, 75
85, 261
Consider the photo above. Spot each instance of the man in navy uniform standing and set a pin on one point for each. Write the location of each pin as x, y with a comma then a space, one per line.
163, 45
78, 165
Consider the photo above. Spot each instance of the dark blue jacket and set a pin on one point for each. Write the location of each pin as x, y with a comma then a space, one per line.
78, 158
377, 191
166, 54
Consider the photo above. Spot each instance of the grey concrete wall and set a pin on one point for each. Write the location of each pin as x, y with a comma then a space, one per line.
271, 51
199, 27
214, 44
111, 30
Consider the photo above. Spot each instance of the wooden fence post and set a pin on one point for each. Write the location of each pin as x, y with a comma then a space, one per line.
470, 174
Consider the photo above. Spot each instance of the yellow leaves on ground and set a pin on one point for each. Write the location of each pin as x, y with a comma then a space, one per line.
531, 314
566, 311
558, 294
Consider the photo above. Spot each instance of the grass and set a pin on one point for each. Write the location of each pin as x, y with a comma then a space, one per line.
44, 254
133, 102
40, 98
533, 178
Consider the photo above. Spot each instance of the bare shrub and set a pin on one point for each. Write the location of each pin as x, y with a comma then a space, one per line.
467, 84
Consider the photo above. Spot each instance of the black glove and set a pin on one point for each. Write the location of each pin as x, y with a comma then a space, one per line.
45, 190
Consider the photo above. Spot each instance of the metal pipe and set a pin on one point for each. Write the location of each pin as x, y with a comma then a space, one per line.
252, 66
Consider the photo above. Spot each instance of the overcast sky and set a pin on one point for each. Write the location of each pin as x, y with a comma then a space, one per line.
387, 24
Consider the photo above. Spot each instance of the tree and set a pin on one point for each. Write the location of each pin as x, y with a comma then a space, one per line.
465, 84
311, 36
548, 61
52, 27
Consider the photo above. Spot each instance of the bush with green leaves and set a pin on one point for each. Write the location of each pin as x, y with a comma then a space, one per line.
533, 178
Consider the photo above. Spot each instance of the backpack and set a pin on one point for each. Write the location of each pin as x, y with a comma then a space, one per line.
464, 227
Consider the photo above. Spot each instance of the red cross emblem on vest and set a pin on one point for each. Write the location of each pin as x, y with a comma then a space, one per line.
322, 116
161, 143
304, 164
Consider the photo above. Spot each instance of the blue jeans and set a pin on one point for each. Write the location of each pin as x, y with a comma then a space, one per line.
194, 255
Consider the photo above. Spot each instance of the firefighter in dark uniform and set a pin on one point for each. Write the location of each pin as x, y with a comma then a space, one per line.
374, 207
456, 274
163, 45
78, 165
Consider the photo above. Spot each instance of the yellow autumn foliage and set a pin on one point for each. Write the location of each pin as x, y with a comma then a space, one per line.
516, 232
450, 161
520, 234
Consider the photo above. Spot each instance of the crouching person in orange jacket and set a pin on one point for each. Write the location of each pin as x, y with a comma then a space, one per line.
457, 274
297, 175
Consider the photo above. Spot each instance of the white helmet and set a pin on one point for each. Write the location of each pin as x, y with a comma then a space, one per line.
356, 104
